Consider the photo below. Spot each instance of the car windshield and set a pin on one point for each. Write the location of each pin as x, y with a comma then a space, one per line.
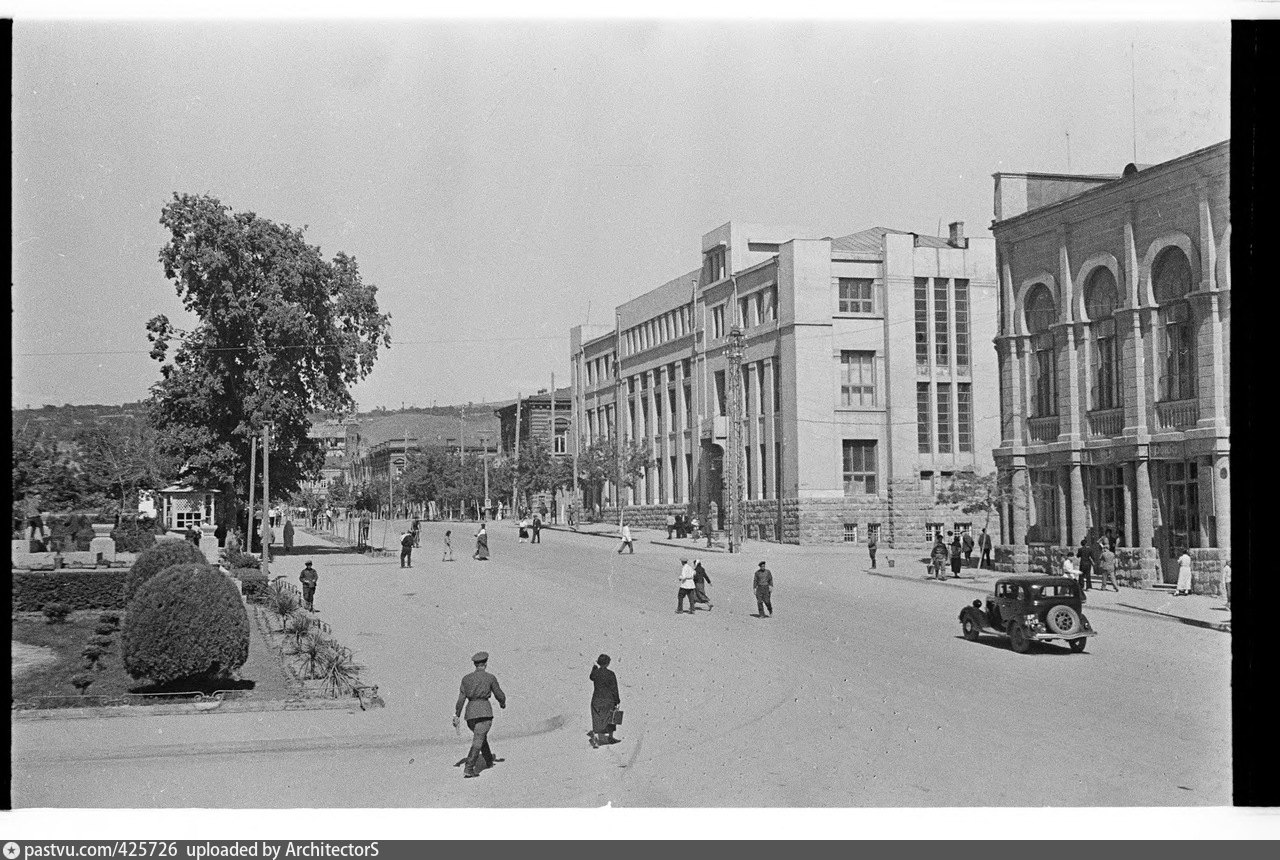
1062, 590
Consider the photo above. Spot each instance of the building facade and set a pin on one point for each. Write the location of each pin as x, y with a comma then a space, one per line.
1114, 352
863, 384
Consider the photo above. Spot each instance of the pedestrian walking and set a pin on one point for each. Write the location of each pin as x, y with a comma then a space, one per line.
1111, 540
671, 526
482, 544
626, 540
872, 543
695, 527
448, 545
984, 549
1184, 573
309, 578
474, 694
687, 586
762, 583
416, 528
523, 530
288, 535
938, 556
406, 549
966, 540
537, 529
1085, 554
956, 556
700, 583
1107, 568
604, 701
1226, 581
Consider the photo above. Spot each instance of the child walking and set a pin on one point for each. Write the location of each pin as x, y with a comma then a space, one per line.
448, 545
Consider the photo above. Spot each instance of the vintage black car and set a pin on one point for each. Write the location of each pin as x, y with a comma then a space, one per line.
1029, 609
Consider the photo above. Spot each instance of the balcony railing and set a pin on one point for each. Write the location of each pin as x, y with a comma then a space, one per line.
1106, 422
1172, 414
1043, 429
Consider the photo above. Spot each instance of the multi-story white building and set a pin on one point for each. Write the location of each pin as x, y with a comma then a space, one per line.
1115, 351
866, 380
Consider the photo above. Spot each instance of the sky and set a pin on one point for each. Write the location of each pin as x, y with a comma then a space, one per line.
503, 181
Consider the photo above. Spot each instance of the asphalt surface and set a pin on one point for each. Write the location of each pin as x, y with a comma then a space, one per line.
859, 692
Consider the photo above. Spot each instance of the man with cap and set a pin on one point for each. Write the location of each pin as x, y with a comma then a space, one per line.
309, 578
474, 693
763, 584
687, 586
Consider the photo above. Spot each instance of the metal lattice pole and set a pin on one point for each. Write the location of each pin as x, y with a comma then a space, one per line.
734, 455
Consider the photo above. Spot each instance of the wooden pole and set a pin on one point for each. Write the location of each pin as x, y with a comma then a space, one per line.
253, 477
516, 471
551, 433
266, 500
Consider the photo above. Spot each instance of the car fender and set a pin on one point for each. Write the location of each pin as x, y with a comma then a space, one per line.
979, 616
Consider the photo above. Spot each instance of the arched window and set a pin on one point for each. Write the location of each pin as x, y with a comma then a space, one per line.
1100, 298
1041, 313
1171, 279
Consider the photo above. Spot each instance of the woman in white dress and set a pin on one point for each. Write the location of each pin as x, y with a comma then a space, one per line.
1184, 573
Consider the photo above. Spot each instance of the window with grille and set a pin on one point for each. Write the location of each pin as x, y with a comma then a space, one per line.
923, 417
962, 324
873, 532
857, 378
922, 325
850, 532
857, 295
859, 467
944, 418
931, 531
941, 331
964, 417
1178, 382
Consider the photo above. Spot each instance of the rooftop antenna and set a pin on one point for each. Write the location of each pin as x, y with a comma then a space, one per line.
1068, 151
1133, 103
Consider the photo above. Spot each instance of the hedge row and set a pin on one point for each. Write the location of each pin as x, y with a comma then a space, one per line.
79, 589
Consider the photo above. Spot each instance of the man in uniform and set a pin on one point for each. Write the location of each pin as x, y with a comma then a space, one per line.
476, 689
764, 591
309, 578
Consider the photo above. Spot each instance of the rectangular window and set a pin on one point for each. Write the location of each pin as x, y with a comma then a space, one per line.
927, 487
750, 473
714, 268
721, 393
770, 304
1108, 514
922, 325
850, 532
962, 325
1178, 364
777, 387
688, 404
1106, 386
923, 418
964, 417
717, 321
744, 314
560, 443
1044, 504
673, 403
859, 467
941, 331
856, 295
857, 378
932, 531
764, 473
944, 418
760, 387
1044, 381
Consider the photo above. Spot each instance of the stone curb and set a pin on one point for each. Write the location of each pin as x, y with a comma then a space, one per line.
1136, 611
227, 707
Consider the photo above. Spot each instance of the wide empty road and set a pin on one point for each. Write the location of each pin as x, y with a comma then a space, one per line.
860, 692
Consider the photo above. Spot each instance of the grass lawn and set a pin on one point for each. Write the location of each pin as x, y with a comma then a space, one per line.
43, 669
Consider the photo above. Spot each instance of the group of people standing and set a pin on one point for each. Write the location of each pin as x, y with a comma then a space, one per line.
1100, 556
957, 554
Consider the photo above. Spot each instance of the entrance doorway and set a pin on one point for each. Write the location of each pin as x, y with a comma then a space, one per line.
1179, 499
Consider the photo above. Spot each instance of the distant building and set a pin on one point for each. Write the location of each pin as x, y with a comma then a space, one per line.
332, 435
545, 417
377, 446
1115, 361
866, 383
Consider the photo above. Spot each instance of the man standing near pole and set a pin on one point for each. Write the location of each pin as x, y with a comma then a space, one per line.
984, 549
474, 694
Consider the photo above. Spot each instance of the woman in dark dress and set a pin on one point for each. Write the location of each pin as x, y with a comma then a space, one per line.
603, 701
482, 545
956, 558
700, 583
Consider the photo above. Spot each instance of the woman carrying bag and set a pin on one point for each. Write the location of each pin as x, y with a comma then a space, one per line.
604, 703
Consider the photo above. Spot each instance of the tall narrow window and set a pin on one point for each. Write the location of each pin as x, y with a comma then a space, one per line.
857, 378
1041, 313
941, 330
856, 295
962, 325
777, 384
944, 418
859, 467
923, 418
760, 389
1100, 296
922, 326
717, 321
964, 417
688, 404
721, 394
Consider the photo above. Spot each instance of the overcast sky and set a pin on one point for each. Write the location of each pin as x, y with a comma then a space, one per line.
500, 181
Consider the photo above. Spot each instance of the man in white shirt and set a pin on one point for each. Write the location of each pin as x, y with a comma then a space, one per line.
626, 540
687, 586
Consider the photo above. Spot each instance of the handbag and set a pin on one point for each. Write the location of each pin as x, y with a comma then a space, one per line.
616, 717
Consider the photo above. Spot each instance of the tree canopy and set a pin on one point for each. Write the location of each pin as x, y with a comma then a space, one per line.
280, 333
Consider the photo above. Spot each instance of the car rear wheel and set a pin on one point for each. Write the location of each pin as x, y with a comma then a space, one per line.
1019, 641
1062, 619
970, 627
1077, 645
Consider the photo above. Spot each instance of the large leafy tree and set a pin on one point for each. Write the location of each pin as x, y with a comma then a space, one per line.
977, 494
119, 458
280, 333
44, 467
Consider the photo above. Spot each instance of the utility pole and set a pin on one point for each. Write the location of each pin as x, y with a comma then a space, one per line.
551, 434
576, 401
734, 454
253, 477
484, 441
617, 409
266, 500
515, 473
462, 439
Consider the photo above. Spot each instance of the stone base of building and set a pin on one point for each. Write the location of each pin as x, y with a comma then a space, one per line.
1136, 567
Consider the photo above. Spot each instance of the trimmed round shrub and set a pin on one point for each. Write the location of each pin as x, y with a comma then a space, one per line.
56, 613
185, 622
164, 554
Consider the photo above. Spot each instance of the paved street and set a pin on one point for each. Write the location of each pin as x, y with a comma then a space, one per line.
860, 692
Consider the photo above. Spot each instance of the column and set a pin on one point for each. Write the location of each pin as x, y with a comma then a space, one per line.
1060, 491
1067, 313
1079, 522
1018, 515
1221, 463
1144, 526
1133, 357
1129, 538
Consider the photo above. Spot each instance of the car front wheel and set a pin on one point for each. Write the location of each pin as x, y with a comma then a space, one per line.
1019, 641
1077, 645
